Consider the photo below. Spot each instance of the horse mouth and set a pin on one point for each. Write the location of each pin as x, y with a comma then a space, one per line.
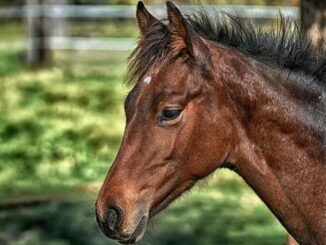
162, 204
138, 233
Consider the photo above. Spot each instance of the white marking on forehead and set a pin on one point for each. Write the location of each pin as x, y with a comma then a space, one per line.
147, 79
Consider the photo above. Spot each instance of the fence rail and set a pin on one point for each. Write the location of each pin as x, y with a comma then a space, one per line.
57, 37
105, 11
93, 43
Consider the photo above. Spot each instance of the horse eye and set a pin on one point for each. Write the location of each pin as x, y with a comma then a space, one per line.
169, 114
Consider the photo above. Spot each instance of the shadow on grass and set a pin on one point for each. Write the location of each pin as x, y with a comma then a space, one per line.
204, 218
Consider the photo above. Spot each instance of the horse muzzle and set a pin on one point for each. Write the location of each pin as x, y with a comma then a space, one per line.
113, 225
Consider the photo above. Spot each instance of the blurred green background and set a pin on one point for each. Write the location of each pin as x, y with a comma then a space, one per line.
60, 128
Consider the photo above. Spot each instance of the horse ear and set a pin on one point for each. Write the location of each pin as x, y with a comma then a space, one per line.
144, 18
180, 36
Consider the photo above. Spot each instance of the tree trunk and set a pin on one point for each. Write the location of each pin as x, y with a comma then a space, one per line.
313, 19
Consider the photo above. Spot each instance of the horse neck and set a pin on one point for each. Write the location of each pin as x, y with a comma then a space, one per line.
277, 153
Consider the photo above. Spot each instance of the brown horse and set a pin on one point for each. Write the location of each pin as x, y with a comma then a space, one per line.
217, 92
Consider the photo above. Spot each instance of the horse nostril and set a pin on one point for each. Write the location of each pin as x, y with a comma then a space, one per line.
114, 217
111, 218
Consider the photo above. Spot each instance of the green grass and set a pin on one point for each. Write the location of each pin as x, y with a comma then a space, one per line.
56, 122
16, 30
12, 30
120, 28
60, 129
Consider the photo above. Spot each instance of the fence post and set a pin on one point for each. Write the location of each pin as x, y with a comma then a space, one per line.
38, 52
313, 20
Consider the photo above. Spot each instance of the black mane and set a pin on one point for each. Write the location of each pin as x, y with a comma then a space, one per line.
284, 47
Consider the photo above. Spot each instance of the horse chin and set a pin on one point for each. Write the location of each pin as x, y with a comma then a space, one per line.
139, 232
169, 198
